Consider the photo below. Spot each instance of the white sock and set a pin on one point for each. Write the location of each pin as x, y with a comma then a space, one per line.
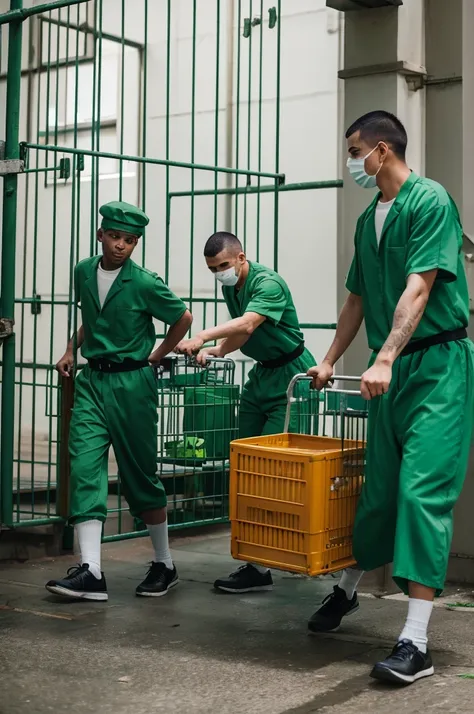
349, 581
416, 626
159, 539
89, 534
261, 569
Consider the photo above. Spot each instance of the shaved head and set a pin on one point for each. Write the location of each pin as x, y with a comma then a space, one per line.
222, 241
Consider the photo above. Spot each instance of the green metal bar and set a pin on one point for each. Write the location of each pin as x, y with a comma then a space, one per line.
40, 301
30, 365
260, 92
249, 120
42, 170
193, 141
34, 384
46, 104
94, 132
216, 114
171, 526
237, 118
167, 140
100, 33
144, 105
92, 31
71, 265
87, 126
18, 14
34, 259
277, 141
44, 67
56, 104
122, 101
7, 298
216, 142
318, 325
76, 189
157, 162
270, 188
28, 522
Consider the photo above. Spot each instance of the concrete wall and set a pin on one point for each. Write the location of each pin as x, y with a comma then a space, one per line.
310, 36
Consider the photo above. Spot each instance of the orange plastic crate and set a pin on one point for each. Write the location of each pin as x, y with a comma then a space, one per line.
293, 500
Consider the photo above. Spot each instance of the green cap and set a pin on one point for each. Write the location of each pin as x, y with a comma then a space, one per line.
121, 216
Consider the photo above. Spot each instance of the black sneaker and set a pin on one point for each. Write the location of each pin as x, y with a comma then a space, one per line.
79, 583
158, 581
335, 606
246, 579
405, 665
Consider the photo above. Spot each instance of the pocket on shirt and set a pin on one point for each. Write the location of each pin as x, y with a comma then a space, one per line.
126, 324
395, 266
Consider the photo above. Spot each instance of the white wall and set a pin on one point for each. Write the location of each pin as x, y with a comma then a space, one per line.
308, 152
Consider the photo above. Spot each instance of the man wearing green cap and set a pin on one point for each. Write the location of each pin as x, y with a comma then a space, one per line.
116, 399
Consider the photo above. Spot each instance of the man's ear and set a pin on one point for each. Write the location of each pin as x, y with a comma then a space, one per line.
384, 149
100, 233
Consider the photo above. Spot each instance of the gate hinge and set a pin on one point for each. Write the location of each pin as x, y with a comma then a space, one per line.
6, 328
10, 166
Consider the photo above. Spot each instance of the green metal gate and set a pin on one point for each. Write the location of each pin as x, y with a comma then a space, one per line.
95, 110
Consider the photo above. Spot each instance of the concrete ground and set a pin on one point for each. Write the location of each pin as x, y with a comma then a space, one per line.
199, 651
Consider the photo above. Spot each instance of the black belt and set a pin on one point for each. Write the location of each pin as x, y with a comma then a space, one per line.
439, 339
284, 359
105, 365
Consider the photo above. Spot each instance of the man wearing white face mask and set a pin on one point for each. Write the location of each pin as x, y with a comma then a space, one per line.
407, 281
264, 326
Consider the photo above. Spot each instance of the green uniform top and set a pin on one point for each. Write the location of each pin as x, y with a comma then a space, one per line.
123, 328
266, 293
422, 232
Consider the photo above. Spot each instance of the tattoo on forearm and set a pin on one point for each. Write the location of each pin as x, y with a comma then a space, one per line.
405, 322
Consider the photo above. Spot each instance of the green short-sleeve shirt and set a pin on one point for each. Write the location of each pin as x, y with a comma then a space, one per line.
123, 328
422, 232
266, 293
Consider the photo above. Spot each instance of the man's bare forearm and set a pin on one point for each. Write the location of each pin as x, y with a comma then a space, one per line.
174, 336
76, 340
232, 344
239, 326
348, 326
406, 319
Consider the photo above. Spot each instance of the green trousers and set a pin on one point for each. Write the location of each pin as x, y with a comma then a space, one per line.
119, 410
419, 436
263, 402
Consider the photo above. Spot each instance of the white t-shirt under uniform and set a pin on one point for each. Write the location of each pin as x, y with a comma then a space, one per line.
105, 280
381, 212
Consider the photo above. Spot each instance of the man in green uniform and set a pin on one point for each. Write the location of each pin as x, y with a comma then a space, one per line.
116, 400
407, 280
264, 326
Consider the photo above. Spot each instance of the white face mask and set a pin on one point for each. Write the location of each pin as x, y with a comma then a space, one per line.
359, 174
228, 277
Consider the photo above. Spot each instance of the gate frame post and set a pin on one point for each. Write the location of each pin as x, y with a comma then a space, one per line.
7, 299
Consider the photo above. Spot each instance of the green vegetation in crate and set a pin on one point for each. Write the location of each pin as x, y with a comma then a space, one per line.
190, 447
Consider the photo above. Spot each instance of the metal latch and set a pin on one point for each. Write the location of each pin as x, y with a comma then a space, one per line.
6, 328
10, 166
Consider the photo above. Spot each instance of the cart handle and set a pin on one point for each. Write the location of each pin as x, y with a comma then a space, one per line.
304, 378
212, 360
166, 361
